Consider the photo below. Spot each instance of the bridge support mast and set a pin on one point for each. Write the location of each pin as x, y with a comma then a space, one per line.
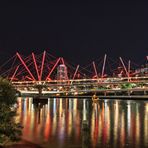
103, 68
53, 68
94, 65
75, 72
35, 64
25, 66
14, 73
124, 67
129, 67
43, 59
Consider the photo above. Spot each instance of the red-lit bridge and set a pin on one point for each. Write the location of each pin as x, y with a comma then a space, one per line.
57, 75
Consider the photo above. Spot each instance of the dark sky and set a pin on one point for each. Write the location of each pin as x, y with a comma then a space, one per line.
80, 32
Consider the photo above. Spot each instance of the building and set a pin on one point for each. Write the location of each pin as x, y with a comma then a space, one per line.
62, 72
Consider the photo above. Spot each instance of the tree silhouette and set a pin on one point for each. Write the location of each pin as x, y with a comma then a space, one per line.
9, 129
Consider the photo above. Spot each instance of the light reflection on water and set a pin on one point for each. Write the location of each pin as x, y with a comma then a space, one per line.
58, 123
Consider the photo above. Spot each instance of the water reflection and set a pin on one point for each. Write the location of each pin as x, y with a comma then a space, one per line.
58, 123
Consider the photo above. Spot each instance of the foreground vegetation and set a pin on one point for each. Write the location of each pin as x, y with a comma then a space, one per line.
10, 131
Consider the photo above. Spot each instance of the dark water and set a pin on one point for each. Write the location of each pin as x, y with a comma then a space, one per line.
112, 123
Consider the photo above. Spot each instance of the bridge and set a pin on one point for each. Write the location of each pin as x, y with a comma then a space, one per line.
46, 74
106, 86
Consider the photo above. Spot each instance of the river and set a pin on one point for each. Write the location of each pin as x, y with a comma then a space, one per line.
58, 123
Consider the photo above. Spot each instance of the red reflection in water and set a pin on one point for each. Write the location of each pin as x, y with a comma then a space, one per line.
59, 123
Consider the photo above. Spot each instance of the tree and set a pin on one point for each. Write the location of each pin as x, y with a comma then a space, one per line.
128, 85
7, 93
9, 129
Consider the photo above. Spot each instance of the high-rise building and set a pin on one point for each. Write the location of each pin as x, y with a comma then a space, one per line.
62, 72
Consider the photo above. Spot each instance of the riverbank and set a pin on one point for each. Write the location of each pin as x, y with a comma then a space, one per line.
23, 144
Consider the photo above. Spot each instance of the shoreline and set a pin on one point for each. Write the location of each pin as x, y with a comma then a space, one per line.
24, 144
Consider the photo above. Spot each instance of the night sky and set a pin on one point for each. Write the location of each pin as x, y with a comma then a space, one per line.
80, 32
